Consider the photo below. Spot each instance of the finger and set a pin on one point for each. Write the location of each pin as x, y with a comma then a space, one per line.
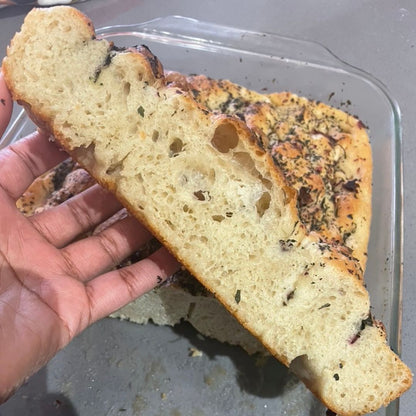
98, 253
25, 160
6, 105
77, 215
113, 290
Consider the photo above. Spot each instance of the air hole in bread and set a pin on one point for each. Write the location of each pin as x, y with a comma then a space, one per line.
225, 138
155, 136
299, 366
119, 74
263, 204
85, 155
266, 183
170, 225
245, 160
289, 295
202, 195
139, 178
175, 147
126, 88
52, 24
114, 169
194, 237
218, 218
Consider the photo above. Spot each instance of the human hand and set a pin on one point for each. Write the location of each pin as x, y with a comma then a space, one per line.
53, 284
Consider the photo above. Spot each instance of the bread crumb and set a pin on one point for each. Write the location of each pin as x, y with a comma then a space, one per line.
194, 352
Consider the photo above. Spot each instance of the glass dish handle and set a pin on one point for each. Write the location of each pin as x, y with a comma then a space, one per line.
197, 34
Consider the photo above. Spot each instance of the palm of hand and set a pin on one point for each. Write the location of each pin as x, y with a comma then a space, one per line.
53, 285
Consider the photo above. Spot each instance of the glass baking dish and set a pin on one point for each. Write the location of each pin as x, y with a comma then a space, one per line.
268, 63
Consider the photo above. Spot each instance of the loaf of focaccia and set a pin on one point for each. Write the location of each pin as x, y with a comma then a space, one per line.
330, 169
208, 191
